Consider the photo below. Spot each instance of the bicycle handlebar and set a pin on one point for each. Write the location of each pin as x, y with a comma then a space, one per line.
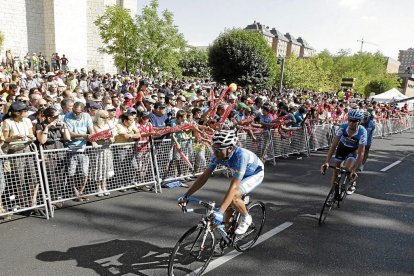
199, 202
341, 169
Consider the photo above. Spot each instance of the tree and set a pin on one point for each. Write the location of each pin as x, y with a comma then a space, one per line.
194, 63
243, 57
160, 43
119, 36
1, 39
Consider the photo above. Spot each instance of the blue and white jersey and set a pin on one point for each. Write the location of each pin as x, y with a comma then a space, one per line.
243, 162
370, 127
359, 138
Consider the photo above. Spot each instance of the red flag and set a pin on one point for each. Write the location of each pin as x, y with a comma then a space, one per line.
178, 128
226, 113
102, 135
184, 158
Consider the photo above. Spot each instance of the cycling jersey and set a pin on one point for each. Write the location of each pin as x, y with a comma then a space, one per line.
359, 138
243, 162
370, 127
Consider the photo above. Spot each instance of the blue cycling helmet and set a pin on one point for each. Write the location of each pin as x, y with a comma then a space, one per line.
367, 115
356, 114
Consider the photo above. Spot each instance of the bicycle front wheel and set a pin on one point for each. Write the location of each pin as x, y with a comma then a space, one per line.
258, 212
327, 206
192, 253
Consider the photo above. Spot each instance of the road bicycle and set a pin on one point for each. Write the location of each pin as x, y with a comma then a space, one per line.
195, 249
337, 193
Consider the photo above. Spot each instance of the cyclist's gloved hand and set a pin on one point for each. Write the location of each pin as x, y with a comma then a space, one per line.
217, 217
182, 201
324, 167
353, 176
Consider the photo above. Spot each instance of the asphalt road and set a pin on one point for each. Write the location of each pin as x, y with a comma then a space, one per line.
133, 233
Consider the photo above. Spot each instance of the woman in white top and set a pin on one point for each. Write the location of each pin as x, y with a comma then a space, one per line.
18, 137
104, 168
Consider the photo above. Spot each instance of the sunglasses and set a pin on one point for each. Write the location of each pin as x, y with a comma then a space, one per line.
216, 150
77, 112
54, 117
353, 121
111, 110
104, 118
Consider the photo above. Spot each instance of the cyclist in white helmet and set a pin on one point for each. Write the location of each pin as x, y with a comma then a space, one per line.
248, 174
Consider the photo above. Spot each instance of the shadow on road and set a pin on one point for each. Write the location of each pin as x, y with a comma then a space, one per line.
115, 257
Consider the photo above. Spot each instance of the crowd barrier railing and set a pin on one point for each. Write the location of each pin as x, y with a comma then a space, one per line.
40, 180
96, 171
21, 185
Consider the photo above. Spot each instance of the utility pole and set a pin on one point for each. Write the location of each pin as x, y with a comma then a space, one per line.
362, 41
281, 60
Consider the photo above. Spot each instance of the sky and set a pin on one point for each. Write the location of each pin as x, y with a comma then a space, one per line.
324, 24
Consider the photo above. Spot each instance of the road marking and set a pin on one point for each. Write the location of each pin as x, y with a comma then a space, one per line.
390, 166
223, 259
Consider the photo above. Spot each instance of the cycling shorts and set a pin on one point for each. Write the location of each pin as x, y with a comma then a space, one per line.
249, 183
343, 152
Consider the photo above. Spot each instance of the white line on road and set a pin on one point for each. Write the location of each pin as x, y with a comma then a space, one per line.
395, 163
219, 261
390, 166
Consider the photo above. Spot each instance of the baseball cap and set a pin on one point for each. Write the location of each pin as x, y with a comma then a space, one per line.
200, 98
182, 98
145, 114
241, 105
149, 99
18, 106
93, 105
131, 110
249, 101
128, 96
110, 107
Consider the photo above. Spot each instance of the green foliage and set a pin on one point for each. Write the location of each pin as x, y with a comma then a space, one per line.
1, 39
119, 36
324, 72
194, 63
161, 44
243, 57
150, 43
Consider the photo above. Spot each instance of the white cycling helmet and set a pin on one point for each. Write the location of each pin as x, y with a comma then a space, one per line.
225, 138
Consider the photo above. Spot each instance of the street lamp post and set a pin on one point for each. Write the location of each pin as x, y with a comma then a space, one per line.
281, 60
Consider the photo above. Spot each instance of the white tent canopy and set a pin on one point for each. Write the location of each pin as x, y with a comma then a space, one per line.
389, 96
392, 95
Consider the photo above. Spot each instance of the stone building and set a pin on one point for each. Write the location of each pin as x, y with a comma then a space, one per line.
62, 26
282, 44
406, 58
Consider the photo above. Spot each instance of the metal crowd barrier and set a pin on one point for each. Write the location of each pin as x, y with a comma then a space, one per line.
21, 185
96, 171
28, 182
320, 136
261, 144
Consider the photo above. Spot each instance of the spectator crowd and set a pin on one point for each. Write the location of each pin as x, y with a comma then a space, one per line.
43, 104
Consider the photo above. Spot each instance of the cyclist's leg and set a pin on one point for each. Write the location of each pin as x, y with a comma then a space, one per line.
367, 147
247, 185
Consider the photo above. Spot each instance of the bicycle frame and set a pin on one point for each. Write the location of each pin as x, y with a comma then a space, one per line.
206, 220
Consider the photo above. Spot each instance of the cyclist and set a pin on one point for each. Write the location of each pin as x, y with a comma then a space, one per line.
248, 174
349, 146
369, 124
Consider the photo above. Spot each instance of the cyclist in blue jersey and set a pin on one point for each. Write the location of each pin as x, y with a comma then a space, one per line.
248, 174
349, 147
369, 124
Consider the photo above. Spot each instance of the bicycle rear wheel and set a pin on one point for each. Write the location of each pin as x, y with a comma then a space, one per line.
192, 253
258, 212
327, 205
